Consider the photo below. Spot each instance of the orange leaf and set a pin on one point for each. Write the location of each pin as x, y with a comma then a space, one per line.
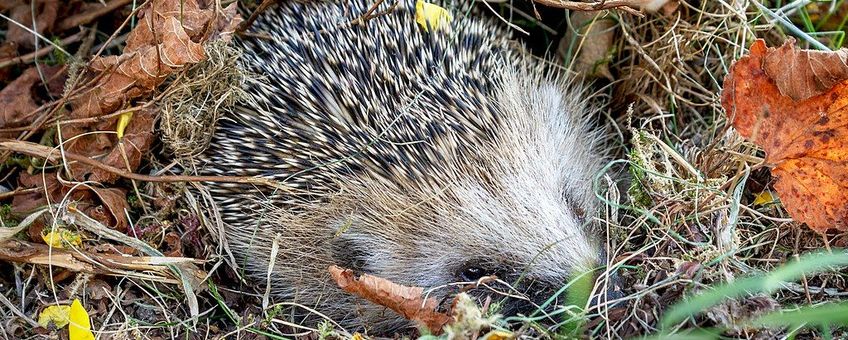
806, 140
801, 74
409, 302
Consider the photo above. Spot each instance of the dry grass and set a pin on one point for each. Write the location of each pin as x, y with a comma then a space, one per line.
196, 100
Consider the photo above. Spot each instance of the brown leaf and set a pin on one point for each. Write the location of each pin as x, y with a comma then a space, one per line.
801, 74
804, 140
193, 20
127, 153
53, 191
689, 269
97, 289
409, 302
656, 5
228, 22
46, 12
591, 35
175, 247
19, 100
106, 205
670, 7
115, 202
168, 37
8, 50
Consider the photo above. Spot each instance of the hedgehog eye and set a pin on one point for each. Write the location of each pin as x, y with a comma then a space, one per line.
472, 273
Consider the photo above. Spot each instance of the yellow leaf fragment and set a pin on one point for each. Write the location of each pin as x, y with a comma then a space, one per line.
357, 336
429, 15
57, 314
764, 198
60, 236
123, 121
79, 327
498, 335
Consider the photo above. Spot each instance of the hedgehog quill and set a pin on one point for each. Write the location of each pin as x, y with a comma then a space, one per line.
423, 157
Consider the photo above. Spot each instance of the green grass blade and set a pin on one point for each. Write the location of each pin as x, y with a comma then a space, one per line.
764, 283
824, 315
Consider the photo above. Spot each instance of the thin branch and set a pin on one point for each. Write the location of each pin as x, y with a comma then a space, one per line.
247, 23
17, 311
629, 6
90, 16
52, 155
38, 35
29, 57
147, 267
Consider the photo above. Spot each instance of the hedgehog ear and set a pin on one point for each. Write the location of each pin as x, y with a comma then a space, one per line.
346, 251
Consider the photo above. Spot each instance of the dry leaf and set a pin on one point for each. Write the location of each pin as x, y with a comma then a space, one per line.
670, 7
127, 153
174, 245
107, 205
656, 5
804, 140
115, 201
801, 74
123, 121
78, 260
8, 50
18, 100
46, 11
498, 335
228, 22
763, 198
431, 16
591, 35
169, 37
53, 191
409, 302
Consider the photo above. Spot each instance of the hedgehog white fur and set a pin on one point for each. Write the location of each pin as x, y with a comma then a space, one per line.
423, 158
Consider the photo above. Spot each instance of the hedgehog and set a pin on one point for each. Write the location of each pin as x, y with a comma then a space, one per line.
427, 157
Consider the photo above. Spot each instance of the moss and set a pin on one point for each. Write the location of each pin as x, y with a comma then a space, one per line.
6, 215
636, 192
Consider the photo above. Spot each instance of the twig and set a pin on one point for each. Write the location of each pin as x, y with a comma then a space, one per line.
38, 35
629, 6
511, 25
16, 192
93, 263
51, 155
17, 312
365, 17
29, 57
247, 23
88, 17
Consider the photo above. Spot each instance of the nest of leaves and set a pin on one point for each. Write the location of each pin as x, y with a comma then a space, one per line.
94, 144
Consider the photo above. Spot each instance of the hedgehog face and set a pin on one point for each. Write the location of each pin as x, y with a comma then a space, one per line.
518, 206
530, 237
